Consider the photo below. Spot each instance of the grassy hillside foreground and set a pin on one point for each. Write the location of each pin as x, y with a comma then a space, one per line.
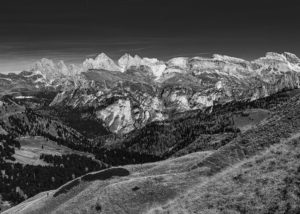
257, 172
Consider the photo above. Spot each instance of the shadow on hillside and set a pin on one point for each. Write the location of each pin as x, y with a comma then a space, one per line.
67, 187
102, 175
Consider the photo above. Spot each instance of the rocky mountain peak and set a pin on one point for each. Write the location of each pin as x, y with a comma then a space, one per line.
61, 66
275, 56
48, 69
55, 72
292, 58
152, 87
180, 62
228, 58
127, 61
182, 83
102, 61
156, 67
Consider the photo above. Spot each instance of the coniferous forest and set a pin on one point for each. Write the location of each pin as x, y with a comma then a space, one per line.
156, 141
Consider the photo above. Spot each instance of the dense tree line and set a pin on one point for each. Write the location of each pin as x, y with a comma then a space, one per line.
81, 120
264, 103
7, 147
163, 139
73, 162
18, 181
156, 141
33, 124
160, 140
121, 156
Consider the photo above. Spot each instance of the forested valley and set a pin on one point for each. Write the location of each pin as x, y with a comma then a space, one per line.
182, 134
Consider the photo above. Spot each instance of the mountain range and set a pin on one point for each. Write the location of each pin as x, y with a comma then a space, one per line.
187, 135
206, 166
133, 91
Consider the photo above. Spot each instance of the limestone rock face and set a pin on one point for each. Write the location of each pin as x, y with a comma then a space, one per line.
127, 61
134, 91
102, 61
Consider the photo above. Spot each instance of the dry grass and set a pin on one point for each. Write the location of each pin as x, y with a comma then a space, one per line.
266, 183
4, 205
33, 147
258, 172
147, 185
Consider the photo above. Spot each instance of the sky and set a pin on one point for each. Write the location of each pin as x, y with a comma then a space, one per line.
72, 30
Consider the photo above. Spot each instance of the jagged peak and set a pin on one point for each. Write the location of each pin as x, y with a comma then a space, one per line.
61, 63
227, 58
46, 61
137, 56
45, 67
51, 70
180, 62
102, 56
292, 58
126, 57
102, 61
126, 61
274, 55
63, 68
150, 60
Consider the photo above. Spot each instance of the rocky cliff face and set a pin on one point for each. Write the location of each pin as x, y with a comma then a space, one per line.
133, 91
122, 105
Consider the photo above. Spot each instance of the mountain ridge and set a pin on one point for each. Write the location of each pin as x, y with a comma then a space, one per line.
212, 140
148, 89
257, 172
179, 84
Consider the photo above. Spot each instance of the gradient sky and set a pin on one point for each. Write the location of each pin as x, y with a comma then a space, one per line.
72, 30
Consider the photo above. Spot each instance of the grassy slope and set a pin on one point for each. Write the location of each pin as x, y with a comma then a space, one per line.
265, 183
19, 121
33, 147
258, 172
162, 179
